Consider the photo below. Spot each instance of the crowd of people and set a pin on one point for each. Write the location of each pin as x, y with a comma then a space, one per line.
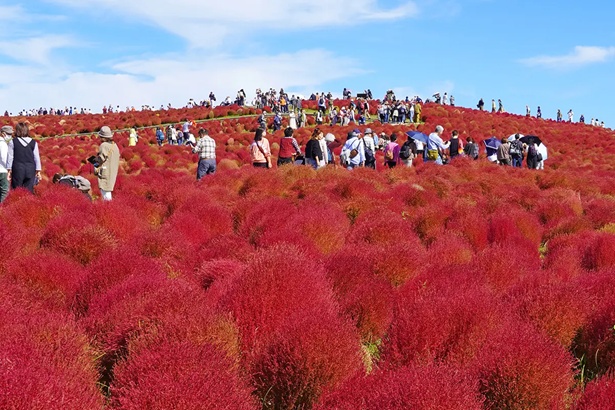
20, 163
359, 150
280, 101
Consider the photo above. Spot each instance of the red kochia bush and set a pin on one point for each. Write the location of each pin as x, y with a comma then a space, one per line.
295, 344
502, 266
435, 326
180, 375
598, 395
381, 227
519, 368
466, 221
514, 227
142, 305
77, 235
322, 226
49, 276
554, 307
111, 268
426, 388
45, 360
595, 342
588, 250
365, 297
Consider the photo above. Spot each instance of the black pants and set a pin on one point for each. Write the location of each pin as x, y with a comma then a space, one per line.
260, 165
23, 176
284, 161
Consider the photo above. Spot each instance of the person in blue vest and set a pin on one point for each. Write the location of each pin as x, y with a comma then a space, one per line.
24, 161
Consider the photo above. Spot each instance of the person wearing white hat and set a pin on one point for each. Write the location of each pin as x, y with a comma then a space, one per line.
107, 163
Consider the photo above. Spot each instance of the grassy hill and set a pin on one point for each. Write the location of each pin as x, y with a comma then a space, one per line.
464, 286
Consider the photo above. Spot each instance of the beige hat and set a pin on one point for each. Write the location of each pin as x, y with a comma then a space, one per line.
7, 129
105, 132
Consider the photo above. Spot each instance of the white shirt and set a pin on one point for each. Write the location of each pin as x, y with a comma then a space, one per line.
191, 139
369, 142
4, 153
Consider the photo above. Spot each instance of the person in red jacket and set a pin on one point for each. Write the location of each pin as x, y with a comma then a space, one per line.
289, 148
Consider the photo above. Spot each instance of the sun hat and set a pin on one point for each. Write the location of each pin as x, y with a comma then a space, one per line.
329, 137
7, 129
368, 131
105, 132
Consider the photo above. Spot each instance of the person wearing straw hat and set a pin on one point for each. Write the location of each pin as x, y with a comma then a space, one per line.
107, 163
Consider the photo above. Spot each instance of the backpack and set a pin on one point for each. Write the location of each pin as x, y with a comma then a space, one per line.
405, 151
515, 149
369, 154
78, 182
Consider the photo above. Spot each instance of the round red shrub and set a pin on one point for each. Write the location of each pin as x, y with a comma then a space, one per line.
296, 345
519, 368
50, 277
182, 375
431, 326
77, 235
45, 359
364, 296
599, 394
429, 387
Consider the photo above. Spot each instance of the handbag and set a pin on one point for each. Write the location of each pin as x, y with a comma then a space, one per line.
354, 152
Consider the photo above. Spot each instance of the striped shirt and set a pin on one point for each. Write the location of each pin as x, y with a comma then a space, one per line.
206, 148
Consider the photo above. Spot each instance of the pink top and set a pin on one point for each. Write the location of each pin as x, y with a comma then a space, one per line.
394, 147
255, 152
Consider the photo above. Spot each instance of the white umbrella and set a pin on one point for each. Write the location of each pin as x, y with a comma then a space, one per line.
513, 137
542, 149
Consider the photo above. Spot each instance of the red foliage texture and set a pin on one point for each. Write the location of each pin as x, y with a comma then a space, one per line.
464, 286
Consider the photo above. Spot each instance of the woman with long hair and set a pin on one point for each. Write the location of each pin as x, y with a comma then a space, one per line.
313, 152
260, 152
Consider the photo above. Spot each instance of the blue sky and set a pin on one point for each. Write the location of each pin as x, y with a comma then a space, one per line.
90, 53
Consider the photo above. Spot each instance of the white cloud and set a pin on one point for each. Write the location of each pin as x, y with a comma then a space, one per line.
158, 81
581, 56
35, 49
207, 23
40, 79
